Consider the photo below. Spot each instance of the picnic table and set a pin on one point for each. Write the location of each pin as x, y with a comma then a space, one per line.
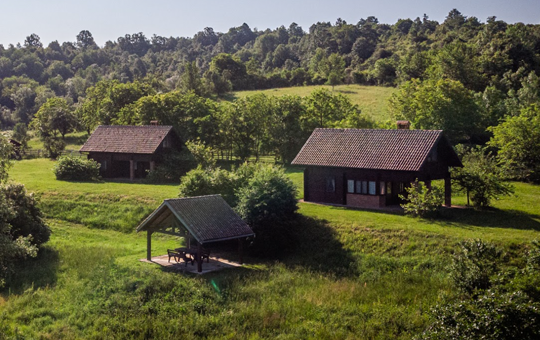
188, 255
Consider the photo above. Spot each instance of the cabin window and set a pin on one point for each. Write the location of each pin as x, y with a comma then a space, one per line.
166, 143
401, 187
330, 184
350, 186
135, 165
372, 188
104, 165
364, 187
389, 188
382, 186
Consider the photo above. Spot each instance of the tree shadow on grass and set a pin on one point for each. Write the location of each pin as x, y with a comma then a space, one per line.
490, 217
34, 272
318, 248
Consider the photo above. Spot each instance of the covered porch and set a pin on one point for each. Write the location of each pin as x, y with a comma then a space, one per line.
202, 221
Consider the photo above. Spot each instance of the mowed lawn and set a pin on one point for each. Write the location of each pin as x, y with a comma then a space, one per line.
353, 273
372, 100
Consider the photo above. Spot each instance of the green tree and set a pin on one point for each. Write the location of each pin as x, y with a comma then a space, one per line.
422, 201
20, 134
518, 142
438, 105
191, 80
55, 117
325, 110
480, 178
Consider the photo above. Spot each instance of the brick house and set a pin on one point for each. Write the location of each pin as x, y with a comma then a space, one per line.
369, 168
130, 151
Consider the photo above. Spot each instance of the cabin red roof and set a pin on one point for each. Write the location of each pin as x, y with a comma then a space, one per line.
126, 139
403, 150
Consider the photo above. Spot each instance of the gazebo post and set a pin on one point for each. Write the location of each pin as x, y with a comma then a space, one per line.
241, 250
199, 262
149, 245
448, 191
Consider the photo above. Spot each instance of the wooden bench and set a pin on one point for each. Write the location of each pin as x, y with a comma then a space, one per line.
177, 255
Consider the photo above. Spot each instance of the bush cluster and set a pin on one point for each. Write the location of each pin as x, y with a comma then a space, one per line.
494, 302
22, 228
421, 201
262, 195
76, 169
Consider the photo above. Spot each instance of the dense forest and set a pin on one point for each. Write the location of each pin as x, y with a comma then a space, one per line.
461, 75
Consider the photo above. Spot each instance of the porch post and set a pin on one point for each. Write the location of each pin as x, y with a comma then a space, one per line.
241, 250
428, 184
199, 262
152, 165
149, 245
447, 192
131, 170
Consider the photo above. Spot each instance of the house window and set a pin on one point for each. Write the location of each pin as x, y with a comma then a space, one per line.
166, 143
135, 165
382, 186
104, 165
350, 186
330, 184
364, 187
389, 188
401, 187
372, 187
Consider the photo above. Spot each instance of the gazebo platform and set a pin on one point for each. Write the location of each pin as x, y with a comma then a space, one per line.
214, 265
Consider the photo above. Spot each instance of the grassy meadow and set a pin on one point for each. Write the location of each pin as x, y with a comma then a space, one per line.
372, 100
355, 274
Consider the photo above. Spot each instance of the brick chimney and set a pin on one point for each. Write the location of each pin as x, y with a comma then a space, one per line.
403, 125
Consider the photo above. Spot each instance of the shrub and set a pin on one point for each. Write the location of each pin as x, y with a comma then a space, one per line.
480, 178
267, 197
494, 315
76, 169
474, 264
200, 182
173, 165
422, 201
22, 228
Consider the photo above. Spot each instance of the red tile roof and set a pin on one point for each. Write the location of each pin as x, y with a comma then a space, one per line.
404, 150
207, 218
126, 139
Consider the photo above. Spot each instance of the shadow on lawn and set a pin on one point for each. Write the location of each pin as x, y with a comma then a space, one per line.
34, 272
318, 248
491, 217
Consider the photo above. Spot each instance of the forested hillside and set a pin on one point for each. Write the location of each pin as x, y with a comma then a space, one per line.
461, 75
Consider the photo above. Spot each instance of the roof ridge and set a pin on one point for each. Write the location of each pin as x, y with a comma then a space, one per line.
191, 197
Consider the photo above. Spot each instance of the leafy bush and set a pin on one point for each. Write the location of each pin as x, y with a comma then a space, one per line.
494, 315
422, 201
480, 178
76, 169
173, 165
203, 155
22, 228
474, 264
261, 194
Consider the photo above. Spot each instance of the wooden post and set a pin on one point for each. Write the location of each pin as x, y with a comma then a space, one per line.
428, 184
199, 262
149, 245
152, 165
447, 192
131, 170
241, 250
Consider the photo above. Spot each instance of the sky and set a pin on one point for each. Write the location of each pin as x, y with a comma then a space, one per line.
107, 20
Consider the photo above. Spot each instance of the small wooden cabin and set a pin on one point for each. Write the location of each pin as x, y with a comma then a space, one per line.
130, 151
370, 168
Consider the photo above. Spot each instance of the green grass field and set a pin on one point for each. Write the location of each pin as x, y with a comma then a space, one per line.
372, 100
355, 274
74, 141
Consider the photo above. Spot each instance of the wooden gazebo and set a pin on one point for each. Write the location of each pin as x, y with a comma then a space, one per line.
203, 219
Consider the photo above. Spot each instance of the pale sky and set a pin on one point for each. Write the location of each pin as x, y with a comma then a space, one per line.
107, 20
